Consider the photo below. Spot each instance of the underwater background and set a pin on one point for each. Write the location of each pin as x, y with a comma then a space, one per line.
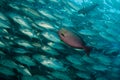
31, 49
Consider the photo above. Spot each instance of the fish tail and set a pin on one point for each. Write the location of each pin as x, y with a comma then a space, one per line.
88, 50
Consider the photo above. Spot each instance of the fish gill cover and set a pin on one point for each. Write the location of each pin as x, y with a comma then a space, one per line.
32, 49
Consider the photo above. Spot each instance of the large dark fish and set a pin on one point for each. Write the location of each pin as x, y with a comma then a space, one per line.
87, 9
73, 40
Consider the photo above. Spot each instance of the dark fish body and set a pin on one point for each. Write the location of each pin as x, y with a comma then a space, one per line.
73, 39
87, 9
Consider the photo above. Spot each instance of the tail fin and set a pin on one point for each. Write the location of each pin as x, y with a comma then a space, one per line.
87, 50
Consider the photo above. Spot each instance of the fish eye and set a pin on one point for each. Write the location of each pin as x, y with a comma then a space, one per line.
62, 34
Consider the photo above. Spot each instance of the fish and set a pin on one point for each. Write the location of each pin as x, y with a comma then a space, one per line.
31, 49
87, 9
73, 40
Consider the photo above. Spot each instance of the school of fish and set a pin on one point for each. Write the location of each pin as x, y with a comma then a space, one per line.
59, 40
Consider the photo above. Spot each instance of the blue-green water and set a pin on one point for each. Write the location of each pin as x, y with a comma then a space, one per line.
31, 49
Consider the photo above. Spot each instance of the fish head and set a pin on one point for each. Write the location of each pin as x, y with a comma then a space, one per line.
62, 33
67, 34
